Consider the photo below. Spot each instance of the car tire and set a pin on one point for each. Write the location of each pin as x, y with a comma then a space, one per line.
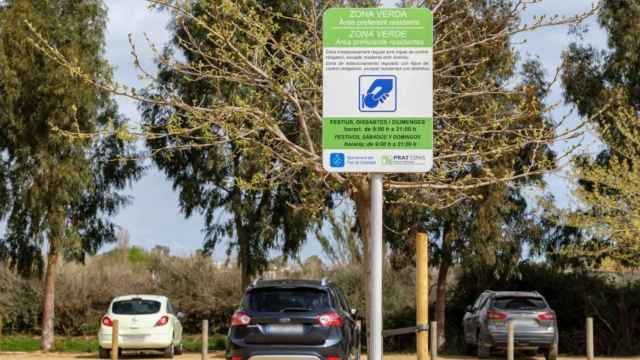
103, 353
357, 352
469, 349
179, 349
551, 353
169, 352
482, 351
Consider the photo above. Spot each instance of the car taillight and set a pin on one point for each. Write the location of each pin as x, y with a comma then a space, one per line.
330, 319
496, 315
162, 321
240, 318
333, 357
106, 321
546, 316
236, 358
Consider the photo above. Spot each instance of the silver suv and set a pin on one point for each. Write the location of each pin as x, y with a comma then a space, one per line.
535, 326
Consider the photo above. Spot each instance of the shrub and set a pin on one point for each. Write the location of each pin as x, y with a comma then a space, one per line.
198, 288
83, 292
20, 302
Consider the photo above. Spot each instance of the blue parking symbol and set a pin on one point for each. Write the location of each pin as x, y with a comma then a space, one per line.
336, 160
377, 93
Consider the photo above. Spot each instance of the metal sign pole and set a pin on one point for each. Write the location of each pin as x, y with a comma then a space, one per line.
375, 261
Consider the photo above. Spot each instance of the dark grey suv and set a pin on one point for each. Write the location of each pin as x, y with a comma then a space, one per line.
535, 326
296, 319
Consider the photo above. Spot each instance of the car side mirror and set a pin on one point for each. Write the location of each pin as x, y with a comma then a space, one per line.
353, 312
180, 315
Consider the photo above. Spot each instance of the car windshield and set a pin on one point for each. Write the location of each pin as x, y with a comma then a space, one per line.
135, 307
519, 303
287, 300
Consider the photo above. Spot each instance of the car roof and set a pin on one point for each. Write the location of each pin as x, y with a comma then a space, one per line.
160, 298
319, 284
516, 294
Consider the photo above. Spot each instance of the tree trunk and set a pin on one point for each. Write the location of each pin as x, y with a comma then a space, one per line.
48, 312
244, 265
244, 251
441, 299
441, 289
362, 199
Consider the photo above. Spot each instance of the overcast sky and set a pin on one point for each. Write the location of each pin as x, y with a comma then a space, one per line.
154, 215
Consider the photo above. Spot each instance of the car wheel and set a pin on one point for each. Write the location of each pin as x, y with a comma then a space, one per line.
169, 352
481, 350
179, 349
530, 353
469, 349
551, 353
103, 353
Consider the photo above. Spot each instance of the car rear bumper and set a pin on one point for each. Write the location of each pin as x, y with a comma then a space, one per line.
284, 357
293, 352
137, 342
521, 339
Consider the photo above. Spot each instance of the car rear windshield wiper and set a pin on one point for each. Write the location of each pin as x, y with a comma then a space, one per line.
292, 309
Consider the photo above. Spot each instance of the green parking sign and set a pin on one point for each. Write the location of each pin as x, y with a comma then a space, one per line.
377, 90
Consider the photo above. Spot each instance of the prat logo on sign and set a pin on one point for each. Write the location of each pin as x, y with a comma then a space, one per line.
400, 157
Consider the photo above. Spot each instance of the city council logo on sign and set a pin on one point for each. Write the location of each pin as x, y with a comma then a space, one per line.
378, 90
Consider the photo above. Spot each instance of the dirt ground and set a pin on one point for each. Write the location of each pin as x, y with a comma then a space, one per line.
220, 355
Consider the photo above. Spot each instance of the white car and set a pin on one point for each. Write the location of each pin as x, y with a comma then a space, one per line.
145, 322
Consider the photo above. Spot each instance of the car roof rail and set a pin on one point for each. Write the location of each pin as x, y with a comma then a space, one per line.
255, 282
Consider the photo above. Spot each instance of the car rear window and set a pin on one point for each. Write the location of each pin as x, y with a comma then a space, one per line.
287, 300
136, 307
519, 303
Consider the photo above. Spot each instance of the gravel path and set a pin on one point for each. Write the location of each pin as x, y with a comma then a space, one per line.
220, 356
71, 356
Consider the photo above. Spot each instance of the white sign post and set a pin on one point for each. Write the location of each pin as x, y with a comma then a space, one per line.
377, 110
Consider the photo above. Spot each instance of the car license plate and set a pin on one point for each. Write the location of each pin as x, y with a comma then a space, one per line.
278, 329
135, 337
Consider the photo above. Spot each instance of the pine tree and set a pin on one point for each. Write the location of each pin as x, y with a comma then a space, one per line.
60, 191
